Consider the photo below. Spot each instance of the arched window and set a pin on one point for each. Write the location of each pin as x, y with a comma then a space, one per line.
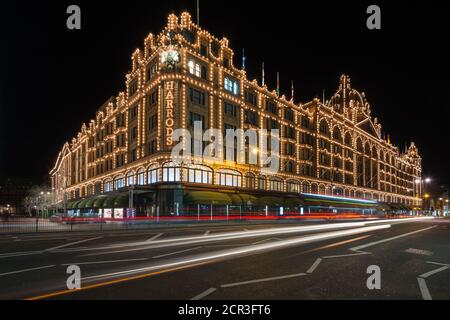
322, 189
293, 186
250, 180
98, 188
140, 177
198, 174
119, 182
275, 184
314, 188
323, 128
305, 187
153, 174
130, 179
337, 134
108, 186
228, 178
290, 167
348, 140
262, 183
171, 172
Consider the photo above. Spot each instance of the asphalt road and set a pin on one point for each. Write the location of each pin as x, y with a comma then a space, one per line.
307, 260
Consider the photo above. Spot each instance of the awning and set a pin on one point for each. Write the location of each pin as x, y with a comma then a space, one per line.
248, 200
70, 204
90, 203
122, 201
76, 204
294, 202
269, 201
207, 197
98, 203
82, 204
109, 202
236, 199
338, 203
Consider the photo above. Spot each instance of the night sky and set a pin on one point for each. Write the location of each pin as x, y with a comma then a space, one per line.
53, 79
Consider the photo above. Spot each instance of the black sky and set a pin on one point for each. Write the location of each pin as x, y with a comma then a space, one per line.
52, 79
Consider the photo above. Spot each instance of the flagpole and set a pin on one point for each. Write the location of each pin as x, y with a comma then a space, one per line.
278, 84
263, 75
198, 12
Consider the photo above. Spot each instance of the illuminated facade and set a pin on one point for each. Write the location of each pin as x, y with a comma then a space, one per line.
185, 75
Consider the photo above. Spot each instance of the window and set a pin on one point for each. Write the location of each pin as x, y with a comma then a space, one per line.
290, 149
196, 97
293, 186
152, 99
134, 133
133, 88
153, 122
250, 117
305, 122
194, 68
153, 175
231, 86
133, 113
171, 173
203, 50
152, 146
271, 107
198, 174
130, 179
108, 186
120, 160
275, 184
140, 177
228, 178
250, 97
133, 155
289, 115
120, 120
118, 183
289, 133
306, 154
230, 109
195, 117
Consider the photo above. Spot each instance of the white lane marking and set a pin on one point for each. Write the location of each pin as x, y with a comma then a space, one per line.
346, 255
204, 294
314, 265
26, 270
262, 280
155, 237
438, 263
104, 262
367, 245
206, 233
430, 273
176, 252
252, 249
266, 240
424, 289
19, 254
72, 244
419, 251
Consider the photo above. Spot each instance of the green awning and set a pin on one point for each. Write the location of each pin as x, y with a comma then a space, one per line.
269, 201
82, 204
70, 204
248, 200
294, 202
122, 201
236, 199
90, 203
109, 202
98, 203
207, 197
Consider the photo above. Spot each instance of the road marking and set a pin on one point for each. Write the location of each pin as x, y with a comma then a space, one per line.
389, 239
104, 262
176, 252
111, 282
430, 273
206, 233
439, 264
419, 251
314, 265
338, 244
204, 294
262, 280
72, 244
266, 240
424, 289
155, 237
346, 255
25, 270
19, 254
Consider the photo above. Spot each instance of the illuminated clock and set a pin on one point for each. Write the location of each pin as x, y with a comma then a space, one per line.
170, 57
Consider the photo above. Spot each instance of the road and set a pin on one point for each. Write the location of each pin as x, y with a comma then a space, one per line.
303, 260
